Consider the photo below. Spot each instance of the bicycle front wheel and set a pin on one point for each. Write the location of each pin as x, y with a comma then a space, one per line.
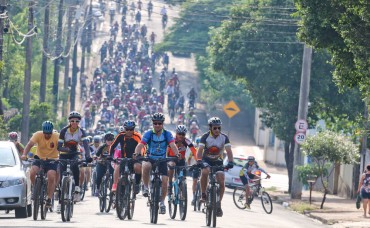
209, 207
65, 202
197, 198
154, 205
36, 198
84, 186
239, 198
102, 195
266, 202
183, 199
109, 195
172, 205
43, 199
215, 196
131, 200
121, 200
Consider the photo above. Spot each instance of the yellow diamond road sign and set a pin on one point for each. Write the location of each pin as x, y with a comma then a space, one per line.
231, 109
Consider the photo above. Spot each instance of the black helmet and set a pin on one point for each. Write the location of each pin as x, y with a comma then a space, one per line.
214, 121
108, 136
74, 114
251, 158
158, 117
129, 124
47, 127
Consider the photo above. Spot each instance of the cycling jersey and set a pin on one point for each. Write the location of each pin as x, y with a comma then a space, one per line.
128, 145
70, 140
247, 169
182, 146
157, 145
46, 148
214, 146
103, 151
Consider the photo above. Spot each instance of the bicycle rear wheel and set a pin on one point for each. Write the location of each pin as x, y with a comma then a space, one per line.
172, 204
266, 202
154, 206
43, 199
36, 198
131, 202
121, 203
239, 198
183, 199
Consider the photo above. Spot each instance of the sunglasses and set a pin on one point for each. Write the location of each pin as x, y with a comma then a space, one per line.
216, 128
183, 134
47, 133
158, 123
74, 121
131, 129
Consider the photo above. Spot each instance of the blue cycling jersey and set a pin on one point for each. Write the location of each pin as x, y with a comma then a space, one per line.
157, 145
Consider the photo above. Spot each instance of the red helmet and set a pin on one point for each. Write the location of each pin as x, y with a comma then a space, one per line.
13, 136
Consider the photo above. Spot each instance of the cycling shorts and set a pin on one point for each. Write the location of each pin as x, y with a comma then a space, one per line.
47, 165
162, 167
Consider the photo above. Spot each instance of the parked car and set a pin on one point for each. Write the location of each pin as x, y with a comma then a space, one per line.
15, 185
232, 178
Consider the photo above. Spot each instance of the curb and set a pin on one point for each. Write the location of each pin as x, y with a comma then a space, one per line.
324, 221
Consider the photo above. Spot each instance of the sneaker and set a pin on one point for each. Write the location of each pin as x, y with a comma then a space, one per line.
162, 208
193, 202
114, 187
48, 203
247, 206
204, 197
77, 189
219, 212
137, 188
145, 192
59, 208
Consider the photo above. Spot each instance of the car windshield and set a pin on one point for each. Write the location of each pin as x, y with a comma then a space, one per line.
240, 161
7, 157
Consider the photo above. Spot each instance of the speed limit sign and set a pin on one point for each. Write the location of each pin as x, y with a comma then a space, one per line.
299, 137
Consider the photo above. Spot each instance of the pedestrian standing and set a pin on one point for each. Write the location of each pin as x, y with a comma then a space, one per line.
364, 189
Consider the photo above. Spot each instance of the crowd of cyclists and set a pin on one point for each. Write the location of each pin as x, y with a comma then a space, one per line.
123, 117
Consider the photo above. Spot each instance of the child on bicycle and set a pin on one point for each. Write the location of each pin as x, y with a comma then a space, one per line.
247, 173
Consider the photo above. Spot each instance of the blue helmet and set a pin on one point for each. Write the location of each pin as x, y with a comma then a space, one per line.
47, 127
129, 124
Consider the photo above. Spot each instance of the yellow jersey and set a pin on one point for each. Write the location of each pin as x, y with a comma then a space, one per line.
46, 148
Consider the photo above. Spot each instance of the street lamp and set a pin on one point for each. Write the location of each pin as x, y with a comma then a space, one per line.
311, 179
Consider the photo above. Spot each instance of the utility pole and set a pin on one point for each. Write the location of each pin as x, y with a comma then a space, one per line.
67, 60
296, 190
45, 49
27, 79
2, 10
74, 68
58, 53
89, 34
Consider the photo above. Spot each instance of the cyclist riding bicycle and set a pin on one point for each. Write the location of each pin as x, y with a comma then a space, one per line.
103, 152
182, 144
128, 140
246, 174
210, 153
157, 140
46, 141
69, 138
13, 137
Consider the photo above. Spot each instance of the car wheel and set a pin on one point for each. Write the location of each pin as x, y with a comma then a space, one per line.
29, 210
21, 212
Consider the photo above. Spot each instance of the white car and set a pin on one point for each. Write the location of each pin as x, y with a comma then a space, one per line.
15, 185
232, 178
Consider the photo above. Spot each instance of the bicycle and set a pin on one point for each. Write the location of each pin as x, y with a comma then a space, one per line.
256, 189
84, 185
105, 190
67, 189
212, 203
155, 188
198, 195
180, 195
125, 193
40, 191
93, 180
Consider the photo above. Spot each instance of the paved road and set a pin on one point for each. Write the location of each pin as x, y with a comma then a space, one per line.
87, 215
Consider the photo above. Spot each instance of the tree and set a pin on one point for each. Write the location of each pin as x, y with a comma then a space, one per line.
327, 149
259, 45
342, 27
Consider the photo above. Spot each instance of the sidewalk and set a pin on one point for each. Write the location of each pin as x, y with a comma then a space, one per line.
339, 211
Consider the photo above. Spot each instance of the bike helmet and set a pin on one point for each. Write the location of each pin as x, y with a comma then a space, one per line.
214, 121
158, 117
47, 127
251, 158
181, 129
74, 114
109, 136
97, 139
13, 136
129, 124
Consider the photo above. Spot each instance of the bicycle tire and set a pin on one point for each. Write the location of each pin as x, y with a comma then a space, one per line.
215, 205
154, 207
43, 199
36, 198
197, 203
239, 198
183, 200
172, 205
109, 195
266, 202
64, 198
84, 186
120, 200
102, 195
93, 183
209, 207
131, 202
71, 201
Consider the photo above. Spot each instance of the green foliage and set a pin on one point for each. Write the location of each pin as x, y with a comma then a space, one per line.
3, 129
304, 171
340, 27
